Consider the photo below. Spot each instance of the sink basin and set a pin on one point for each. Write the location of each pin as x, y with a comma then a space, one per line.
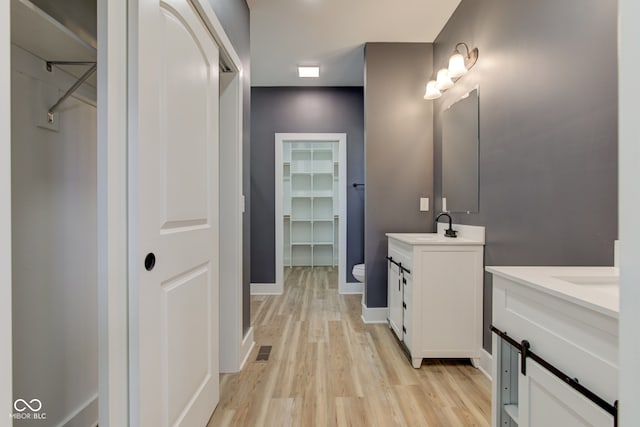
425, 237
421, 236
591, 280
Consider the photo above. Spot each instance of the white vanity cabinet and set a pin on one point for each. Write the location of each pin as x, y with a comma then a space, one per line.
569, 317
435, 294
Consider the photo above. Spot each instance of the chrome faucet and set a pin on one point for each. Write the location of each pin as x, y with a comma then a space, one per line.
450, 232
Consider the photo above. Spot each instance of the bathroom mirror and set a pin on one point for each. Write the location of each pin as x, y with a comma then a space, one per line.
460, 146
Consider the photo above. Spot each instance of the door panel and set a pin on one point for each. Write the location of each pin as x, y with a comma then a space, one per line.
395, 300
185, 104
547, 401
174, 214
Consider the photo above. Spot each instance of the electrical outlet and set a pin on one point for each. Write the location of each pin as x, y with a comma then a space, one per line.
424, 204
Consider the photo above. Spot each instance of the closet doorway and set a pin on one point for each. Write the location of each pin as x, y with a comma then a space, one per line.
310, 197
74, 144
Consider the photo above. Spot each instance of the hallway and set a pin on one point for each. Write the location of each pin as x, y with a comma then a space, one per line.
328, 368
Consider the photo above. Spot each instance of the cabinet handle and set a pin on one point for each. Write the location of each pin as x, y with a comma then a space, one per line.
404, 281
404, 305
404, 330
399, 264
525, 353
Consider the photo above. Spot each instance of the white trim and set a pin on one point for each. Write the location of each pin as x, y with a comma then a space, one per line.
341, 139
265, 289
247, 347
351, 288
230, 190
374, 314
6, 369
629, 204
486, 363
113, 324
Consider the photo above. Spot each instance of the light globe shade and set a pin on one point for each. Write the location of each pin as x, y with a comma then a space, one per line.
432, 91
443, 81
456, 66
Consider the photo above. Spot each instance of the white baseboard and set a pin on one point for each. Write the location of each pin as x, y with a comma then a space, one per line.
351, 288
266, 289
247, 346
85, 415
374, 314
486, 363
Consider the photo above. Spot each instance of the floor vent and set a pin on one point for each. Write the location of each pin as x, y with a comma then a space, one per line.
263, 353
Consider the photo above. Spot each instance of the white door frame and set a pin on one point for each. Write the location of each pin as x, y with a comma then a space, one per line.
233, 353
113, 265
629, 203
341, 139
6, 371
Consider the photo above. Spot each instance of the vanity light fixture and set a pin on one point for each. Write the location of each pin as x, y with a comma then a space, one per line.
432, 91
308, 71
459, 64
443, 81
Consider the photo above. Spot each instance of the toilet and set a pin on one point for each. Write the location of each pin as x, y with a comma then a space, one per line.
358, 272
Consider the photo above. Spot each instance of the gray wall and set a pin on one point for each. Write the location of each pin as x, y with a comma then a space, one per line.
398, 152
234, 17
304, 110
547, 74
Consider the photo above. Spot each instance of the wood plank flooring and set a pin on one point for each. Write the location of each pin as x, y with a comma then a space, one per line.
327, 368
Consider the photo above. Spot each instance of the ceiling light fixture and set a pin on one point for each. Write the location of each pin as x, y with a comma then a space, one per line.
459, 64
308, 71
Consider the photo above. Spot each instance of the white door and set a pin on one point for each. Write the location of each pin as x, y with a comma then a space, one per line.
395, 299
544, 400
173, 199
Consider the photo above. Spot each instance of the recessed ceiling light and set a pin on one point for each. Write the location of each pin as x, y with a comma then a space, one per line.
306, 71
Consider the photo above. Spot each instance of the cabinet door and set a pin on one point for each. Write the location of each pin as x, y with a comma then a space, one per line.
547, 401
395, 299
407, 308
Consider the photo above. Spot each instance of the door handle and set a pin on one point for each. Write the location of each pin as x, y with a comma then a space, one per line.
149, 261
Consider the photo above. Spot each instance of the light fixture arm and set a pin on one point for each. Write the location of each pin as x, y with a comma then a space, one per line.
470, 58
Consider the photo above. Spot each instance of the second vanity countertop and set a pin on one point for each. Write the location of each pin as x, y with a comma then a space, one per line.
596, 288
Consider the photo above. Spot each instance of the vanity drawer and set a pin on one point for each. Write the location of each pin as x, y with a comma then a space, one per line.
401, 253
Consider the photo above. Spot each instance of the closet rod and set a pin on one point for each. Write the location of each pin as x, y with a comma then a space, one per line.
51, 63
76, 85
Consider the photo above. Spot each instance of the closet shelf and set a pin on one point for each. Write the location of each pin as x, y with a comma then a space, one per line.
52, 41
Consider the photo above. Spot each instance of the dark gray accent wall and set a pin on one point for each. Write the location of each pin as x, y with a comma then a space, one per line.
398, 152
547, 75
234, 17
302, 110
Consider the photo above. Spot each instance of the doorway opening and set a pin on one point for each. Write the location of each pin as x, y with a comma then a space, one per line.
310, 205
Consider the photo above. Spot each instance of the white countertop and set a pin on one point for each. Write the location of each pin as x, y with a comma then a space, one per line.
467, 235
596, 288
432, 239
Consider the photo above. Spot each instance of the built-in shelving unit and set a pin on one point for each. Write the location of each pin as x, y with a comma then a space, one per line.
310, 192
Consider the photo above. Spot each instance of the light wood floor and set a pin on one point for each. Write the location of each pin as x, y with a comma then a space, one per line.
327, 368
